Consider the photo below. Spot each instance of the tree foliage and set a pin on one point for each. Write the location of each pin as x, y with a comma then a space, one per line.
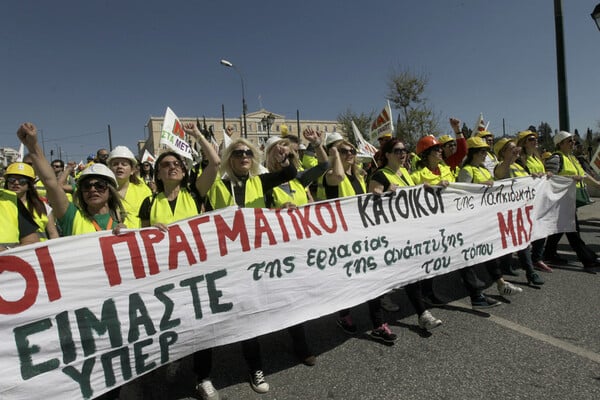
545, 142
406, 93
362, 121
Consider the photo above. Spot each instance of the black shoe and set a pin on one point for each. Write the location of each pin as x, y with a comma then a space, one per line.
510, 271
534, 278
482, 301
592, 268
383, 334
555, 259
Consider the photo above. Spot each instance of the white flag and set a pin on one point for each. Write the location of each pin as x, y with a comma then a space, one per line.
148, 157
382, 124
364, 147
21, 153
173, 136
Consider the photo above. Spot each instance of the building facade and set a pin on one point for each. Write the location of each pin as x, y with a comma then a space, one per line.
257, 124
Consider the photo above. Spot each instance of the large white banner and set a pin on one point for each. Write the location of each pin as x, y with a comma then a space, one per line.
82, 315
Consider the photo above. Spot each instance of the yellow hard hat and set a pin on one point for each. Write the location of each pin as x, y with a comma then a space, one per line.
524, 134
475, 142
20, 168
445, 139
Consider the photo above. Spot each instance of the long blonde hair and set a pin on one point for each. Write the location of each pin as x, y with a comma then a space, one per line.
226, 159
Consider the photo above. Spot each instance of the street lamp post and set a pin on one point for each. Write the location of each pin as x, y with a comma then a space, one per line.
563, 105
230, 65
268, 121
596, 15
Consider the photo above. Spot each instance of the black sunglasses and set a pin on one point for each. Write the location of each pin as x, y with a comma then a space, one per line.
169, 164
242, 153
347, 151
100, 186
399, 151
21, 181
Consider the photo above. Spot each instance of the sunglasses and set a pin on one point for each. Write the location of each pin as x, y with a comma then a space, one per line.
399, 152
531, 139
170, 164
436, 148
344, 151
451, 144
56, 166
100, 186
21, 181
242, 153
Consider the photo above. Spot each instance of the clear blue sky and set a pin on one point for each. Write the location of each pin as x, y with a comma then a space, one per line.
73, 67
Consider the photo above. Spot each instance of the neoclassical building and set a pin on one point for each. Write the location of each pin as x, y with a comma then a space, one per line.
257, 123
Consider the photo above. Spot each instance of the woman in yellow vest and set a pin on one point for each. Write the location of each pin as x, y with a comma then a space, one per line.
563, 162
508, 154
345, 179
132, 189
293, 194
240, 184
18, 227
96, 206
532, 161
20, 178
390, 176
430, 168
173, 200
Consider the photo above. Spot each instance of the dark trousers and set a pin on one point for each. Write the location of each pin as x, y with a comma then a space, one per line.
414, 291
584, 253
298, 335
250, 350
537, 250
375, 312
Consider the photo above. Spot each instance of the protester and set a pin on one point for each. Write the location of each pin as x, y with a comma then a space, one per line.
454, 150
132, 190
508, 153
20, 179
97, 205
390, 176
147, 175
532, 162
490, 160
101, 156
345, 179
240, 184
564, 163
18, 227
293, 194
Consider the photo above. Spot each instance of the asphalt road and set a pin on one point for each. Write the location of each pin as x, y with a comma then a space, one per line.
542, 344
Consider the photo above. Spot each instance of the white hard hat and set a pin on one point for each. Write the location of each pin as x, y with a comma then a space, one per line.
560, 136
272, 141
332, 137
122, 152
101, 170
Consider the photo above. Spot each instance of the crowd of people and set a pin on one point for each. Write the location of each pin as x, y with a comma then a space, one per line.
42, 200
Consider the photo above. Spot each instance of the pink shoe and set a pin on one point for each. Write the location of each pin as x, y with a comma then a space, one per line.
542, 266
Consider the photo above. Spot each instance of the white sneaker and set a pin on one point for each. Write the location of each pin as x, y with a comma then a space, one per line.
207, 391
428, 321
258, 383
508, 289
387, 304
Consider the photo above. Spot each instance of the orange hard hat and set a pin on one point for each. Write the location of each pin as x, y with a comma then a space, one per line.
426, 142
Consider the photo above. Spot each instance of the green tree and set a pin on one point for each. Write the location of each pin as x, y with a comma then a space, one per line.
362, 121
415, 118
545, 142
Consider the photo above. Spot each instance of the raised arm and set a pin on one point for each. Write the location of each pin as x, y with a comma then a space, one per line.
27, 134
208, 175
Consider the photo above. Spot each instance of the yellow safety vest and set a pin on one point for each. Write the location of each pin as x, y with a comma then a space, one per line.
535, 165
571, 167
478, 174
424, 175
345, 188
517, 170
220, 197
395, 179
42, 222
185, 207
9, 218
134, 197
298, 195
83, 225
